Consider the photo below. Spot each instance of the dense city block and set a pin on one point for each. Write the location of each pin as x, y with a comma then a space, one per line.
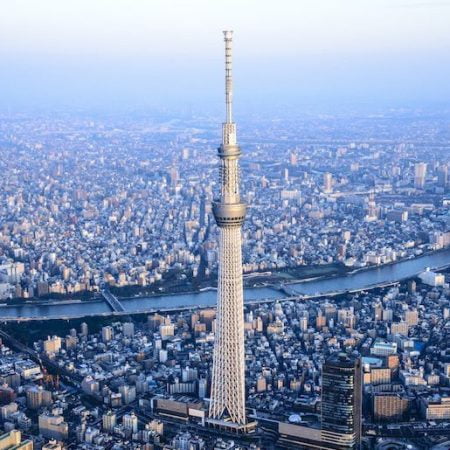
127, 202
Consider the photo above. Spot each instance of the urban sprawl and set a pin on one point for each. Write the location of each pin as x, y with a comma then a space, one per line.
126, 203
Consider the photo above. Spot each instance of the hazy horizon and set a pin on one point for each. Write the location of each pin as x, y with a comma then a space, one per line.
133, 54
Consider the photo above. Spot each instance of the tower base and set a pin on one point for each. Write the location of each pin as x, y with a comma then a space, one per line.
231, 427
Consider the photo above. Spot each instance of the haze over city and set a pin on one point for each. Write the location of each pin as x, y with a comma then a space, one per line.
323, 53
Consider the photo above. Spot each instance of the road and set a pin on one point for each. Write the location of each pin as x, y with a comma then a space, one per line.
42, 360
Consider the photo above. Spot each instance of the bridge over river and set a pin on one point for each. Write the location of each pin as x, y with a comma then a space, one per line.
362, 280
112, 301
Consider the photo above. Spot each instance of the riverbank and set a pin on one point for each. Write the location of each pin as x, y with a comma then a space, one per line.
295, 275
270, 279
274, 280
318, 287
50, 302
251, 280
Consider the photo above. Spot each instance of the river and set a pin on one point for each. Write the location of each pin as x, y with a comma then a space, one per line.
356, 281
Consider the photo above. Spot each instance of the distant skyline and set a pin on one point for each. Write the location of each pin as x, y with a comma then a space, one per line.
102, 53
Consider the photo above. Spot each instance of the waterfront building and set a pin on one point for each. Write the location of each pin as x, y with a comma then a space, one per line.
432, 278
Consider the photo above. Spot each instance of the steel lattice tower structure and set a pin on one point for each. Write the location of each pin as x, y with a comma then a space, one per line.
228, 374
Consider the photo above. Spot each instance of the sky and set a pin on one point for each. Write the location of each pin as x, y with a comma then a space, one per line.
132, 53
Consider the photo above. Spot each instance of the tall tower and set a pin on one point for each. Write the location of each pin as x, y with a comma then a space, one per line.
228, 374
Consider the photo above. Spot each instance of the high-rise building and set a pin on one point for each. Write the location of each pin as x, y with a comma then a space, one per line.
388, 406
372, 210
90, 384
443, 176
107, 333
380, 375
303, 323
37, 397
185, 154
342, 401
109, 421
412, 317
378, 312
84, 329
293, 159
52, 345
420, 173
7, 410
174, 176
327, 182
228, 373
130, 422
202, 388
400, 328
128, 329
435, 408
13, 440
167, 331
128, 393
7, 394
156, 425
53, 426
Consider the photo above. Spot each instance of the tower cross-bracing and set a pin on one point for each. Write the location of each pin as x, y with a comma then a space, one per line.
228, 374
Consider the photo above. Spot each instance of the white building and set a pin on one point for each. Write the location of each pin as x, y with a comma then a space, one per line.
130, 422
432, 278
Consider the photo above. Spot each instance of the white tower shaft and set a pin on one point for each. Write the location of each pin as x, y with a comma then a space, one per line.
228, 374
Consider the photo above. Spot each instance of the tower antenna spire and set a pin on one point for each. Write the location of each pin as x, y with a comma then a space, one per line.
228, 36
